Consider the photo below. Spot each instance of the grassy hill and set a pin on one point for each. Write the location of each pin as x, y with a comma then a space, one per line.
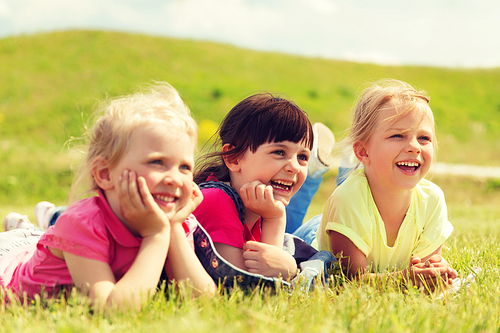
50, 83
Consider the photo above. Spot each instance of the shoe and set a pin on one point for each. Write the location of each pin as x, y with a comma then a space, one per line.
44, 211
321, 156
16, 221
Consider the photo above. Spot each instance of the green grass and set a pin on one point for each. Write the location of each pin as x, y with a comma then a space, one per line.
50, 83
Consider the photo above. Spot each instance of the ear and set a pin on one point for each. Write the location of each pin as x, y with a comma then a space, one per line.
231, 163
101, 173
361, 152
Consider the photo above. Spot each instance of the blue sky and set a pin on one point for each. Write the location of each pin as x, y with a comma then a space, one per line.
451, 33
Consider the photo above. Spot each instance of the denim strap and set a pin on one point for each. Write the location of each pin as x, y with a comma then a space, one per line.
231, 192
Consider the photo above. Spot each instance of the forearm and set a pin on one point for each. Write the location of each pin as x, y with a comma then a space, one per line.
184, 264
273, 231
141, 280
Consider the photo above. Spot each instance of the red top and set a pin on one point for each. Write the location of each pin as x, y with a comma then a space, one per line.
219, 216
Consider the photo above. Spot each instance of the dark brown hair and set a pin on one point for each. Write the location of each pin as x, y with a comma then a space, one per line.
256, 120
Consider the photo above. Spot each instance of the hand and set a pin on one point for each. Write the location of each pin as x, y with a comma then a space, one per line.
268, 260
432, 273
194, 201
142, 214
259, 198
436, 261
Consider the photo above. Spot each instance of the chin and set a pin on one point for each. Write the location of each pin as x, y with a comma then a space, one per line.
285, 201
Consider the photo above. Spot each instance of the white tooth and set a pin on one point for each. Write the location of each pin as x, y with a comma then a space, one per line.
163, 198
283, 183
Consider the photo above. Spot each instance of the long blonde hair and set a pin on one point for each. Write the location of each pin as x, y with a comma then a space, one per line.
117, 118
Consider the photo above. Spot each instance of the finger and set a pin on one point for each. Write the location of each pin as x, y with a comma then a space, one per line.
260, 192
244, 193
251, 246
251, 263
126, 205
250, 255
134, 196
415, 260
268, 194
133, 191
144, 195
197, 195
453, 274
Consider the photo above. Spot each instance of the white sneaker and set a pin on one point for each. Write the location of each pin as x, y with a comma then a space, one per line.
321, 156
16, 221
44, 211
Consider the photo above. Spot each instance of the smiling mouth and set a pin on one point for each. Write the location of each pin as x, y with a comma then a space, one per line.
408, 166
281, 185
167, 199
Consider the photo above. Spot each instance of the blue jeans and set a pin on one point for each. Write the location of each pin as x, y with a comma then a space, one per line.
307, 231
297, 208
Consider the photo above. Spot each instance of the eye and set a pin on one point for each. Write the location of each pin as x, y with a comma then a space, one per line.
158, 162
186, 167
424, 138
303, 157
396, 136
279, 152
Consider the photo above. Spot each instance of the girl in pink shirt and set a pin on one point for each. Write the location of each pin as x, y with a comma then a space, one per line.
261, 156
139, 163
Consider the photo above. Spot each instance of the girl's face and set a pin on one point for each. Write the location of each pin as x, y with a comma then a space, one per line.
165, 159
399, 153
283, 165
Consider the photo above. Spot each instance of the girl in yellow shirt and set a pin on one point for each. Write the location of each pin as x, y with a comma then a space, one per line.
385, 218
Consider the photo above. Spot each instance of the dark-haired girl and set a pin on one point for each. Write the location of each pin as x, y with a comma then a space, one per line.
262, 152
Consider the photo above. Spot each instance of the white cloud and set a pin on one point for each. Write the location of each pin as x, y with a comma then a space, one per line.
437, 32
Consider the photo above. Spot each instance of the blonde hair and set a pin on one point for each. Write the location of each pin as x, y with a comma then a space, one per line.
380, 96
118, 117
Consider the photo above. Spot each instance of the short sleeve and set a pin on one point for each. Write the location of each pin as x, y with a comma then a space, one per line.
436, 228
76, 233
218, 215
347, 212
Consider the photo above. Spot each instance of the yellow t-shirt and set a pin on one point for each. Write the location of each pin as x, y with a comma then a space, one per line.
351, 211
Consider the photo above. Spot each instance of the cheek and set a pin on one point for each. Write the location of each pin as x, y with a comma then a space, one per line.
301, 177
429, 157
188, 185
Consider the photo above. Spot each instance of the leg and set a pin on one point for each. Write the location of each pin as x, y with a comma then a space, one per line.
46, 214
319, 163
15, 238
297, 208
307, 231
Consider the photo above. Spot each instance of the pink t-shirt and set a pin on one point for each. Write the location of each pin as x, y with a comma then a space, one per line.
219, 216
89, 229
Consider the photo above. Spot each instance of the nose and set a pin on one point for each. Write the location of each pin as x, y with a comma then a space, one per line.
292, 166
413, 146
172, 178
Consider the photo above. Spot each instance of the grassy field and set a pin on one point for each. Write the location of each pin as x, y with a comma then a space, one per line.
51, 82
473, 210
